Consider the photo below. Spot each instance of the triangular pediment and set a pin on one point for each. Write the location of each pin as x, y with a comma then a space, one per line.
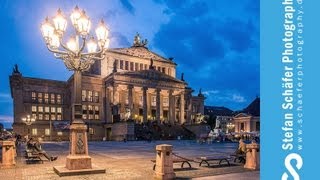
141, 52
240, 115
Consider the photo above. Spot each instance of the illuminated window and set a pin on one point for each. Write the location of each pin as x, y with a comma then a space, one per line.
90, 116
59, 99
47, 109
96, 117
46, 117
47, 132
52, 99
166, 101
90, 108
153, 100
59, 117
53, 117
84, 95
96, 97
40, 97
40, 108
40, 116
96, 109
90, 96
33, 96
84, 116
46, 98
34, 115
53, 109
59, 133
59, 110
34, 108
91, 131
34, 131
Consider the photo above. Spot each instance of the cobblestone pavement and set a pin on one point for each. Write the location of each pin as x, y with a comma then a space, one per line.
130, 160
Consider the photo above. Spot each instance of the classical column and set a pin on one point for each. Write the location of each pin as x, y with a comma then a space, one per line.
115, 94
171, 107
145, 109
130, 100
158, 105
108, 113
182, 104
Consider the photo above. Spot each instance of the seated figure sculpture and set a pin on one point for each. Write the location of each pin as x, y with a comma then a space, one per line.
35, 146
242, 148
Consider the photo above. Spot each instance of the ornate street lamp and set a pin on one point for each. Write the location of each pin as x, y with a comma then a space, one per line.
76, 59
28, 121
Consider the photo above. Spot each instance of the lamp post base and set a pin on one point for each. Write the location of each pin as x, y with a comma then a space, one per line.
78, 161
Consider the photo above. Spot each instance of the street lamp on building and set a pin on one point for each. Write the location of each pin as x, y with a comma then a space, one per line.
78, 54
28, 121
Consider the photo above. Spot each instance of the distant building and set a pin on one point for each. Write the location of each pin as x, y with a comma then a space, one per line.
132, 83
247, 121
222, 117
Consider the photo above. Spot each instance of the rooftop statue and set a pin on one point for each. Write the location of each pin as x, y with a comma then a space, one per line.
137, 42
16, 69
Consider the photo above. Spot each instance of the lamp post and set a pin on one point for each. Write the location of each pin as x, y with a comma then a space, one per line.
78, 60
28, 121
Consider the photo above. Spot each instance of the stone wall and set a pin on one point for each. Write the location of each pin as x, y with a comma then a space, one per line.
123, 130
199, 130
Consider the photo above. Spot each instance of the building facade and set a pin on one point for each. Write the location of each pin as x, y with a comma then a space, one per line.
131, 84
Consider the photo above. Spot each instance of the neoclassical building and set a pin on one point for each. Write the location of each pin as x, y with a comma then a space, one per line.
131, 83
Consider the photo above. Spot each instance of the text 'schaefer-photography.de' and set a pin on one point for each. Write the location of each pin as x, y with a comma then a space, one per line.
159, 89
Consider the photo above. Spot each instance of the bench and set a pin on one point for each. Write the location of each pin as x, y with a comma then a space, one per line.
176, 159
32, 156
214, 158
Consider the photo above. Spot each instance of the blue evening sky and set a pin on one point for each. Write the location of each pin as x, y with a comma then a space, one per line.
214, 42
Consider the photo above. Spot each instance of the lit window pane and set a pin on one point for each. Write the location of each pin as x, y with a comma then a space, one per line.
47, 132
40, 108
53, 109
84, 95
53, 117
34, 131
34, 108
52, 99
46, 109
46, 98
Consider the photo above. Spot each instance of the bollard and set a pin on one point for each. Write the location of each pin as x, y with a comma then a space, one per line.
8, 154
253, 156
164, 164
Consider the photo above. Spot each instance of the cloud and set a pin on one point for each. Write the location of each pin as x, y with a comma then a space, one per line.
6, 119
128, 6
216, 44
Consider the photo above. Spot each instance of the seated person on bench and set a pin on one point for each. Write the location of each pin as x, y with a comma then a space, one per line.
35, 146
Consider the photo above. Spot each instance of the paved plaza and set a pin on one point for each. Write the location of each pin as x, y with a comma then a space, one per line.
131, 160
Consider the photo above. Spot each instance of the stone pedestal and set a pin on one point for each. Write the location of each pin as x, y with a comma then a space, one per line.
253, 156
8, 154
164, 165
78, 161
78, 157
